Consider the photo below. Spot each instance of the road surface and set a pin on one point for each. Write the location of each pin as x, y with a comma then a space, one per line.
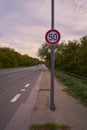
15, 87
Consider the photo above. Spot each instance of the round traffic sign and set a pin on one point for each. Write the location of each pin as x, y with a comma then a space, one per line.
52, 36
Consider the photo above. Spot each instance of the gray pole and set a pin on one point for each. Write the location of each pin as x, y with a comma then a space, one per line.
52, 59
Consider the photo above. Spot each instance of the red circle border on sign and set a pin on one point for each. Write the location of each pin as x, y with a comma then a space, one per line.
59, 36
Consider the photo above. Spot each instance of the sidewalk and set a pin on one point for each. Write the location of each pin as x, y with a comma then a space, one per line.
68, 110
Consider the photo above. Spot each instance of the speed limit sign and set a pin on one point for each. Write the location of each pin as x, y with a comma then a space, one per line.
52, 37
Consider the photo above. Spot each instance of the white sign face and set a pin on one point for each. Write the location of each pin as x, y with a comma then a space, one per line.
52, 37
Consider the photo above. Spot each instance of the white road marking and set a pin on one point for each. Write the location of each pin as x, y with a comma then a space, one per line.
27, 85
14, 99
23, 90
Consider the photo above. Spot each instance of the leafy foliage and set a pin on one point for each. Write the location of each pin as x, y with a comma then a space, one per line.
70, 56
44, 53
10, 58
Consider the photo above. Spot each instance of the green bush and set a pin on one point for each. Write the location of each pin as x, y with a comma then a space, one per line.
78, 88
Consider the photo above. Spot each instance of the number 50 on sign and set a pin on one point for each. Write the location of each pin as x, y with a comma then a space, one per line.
52, 37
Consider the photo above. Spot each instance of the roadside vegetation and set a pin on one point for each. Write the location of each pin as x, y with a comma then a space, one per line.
49, 126
74, 86
10, 58
43, 89
70, 56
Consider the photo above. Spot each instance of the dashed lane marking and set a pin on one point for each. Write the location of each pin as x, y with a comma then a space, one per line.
23, 90
14, 99
27, 85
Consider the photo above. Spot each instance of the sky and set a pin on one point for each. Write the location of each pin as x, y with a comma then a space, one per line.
24, 23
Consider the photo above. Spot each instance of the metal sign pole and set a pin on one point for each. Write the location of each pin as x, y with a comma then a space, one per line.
52, 59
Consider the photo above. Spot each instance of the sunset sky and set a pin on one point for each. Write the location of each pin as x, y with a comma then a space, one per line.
23, 23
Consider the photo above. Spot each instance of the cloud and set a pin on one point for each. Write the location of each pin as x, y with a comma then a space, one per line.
70, 18
23, 23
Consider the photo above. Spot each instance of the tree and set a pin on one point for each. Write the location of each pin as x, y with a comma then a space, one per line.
44, 53
82, 56
70, 56
10, 58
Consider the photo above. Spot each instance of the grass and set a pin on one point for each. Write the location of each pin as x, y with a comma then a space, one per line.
44, 89
49, 126
74, 86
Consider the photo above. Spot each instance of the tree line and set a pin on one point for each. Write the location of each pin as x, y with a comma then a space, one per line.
10, 58
70, 56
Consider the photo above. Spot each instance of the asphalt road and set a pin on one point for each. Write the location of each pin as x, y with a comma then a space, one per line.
15, 87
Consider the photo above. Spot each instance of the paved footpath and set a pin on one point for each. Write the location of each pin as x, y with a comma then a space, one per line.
68, 110
36, 109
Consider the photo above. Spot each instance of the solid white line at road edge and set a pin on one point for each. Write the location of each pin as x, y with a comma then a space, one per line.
14, 99
27, 85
